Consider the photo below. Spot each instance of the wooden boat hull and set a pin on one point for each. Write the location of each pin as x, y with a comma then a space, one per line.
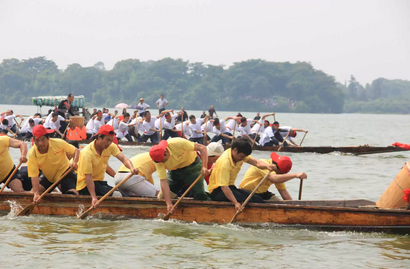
347, 214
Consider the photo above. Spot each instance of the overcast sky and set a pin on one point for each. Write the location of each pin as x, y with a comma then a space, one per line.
369, 39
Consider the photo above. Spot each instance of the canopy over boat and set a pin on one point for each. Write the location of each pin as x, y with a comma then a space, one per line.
40, 101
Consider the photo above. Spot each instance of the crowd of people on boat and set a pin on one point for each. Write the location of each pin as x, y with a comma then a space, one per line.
182, 153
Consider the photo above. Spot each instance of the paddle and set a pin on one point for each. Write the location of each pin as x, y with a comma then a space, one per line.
233, 133
249, 197
206, 123
27, 209
300, 189
182, 129
303, 139
284, 140
260, 126
66, 128
86, 213
160, 128
10, 177
182, 196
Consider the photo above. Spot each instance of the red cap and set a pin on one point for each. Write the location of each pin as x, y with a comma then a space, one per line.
157, 152
40, 130
106, 130
284, 163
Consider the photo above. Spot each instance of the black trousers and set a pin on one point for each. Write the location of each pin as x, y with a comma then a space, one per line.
168, 133
153, 138
240, 195
199, 140
225, 140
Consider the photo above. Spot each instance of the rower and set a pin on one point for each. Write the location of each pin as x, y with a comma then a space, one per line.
179, 157
26, 131
11, 120
254, 175
17, 183
275, 135
150, 132
245, 127
53, 122
50, 156
169, 126
123, 128
136, 125
195, 126
93, 164
141, 184
209, 128
4, 128
222, 181
258, 128
221, 132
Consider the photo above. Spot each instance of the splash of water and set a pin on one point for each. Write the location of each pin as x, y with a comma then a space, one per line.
15, 208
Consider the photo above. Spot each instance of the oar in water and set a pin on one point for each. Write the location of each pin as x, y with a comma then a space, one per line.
300, 189
284, 140
206, 123
249, 197
27, 209
10, 177
86, 213
182, 196
303, 139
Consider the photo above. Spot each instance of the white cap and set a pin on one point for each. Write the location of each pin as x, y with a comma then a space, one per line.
215, 149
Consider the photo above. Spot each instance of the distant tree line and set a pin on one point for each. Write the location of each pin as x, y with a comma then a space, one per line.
253, 85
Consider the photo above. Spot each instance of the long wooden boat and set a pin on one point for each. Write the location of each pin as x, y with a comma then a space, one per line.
332, 214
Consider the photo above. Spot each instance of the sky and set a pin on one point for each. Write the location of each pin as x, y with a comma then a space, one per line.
367, 39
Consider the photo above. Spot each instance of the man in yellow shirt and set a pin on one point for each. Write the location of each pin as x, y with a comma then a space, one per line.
222, 181
141, 184
93, 164
50, 156
254, 175
17, 183
179, 157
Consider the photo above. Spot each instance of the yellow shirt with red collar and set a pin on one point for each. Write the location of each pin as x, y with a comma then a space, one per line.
93, 163
6, 163
53, 163
225, 171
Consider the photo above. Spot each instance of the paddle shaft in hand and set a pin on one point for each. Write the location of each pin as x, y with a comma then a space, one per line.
206, 123
10, 177
27, 209
284, 140
249, 197
300, 189
86, 213
183, 195
303, 139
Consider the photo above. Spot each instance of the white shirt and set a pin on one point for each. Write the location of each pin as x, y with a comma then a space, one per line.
196, 127
11, 120
161, 102
222, 129
187, 130
122, 129
245, 130
266, 135
90, 127
255, 128
159, 123
149, 125
284, 130
209, 127
144, 107
3, 127
230, 125
170, 125
26, 129
97, 125
53, 125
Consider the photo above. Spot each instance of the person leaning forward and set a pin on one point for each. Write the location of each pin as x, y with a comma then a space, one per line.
222, 181
50, 156
179, 157
254, 175
94, 161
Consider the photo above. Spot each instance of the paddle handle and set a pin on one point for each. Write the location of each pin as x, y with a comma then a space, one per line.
300, 189
183, 195
66, 128
160, 128
206, 123
10, 177
284, 140
253, 143
86, 213
249, 197
303, 139
233, 133
182, 128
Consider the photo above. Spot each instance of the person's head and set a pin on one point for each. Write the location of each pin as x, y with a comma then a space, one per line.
212, 106
105, 136
257, 114
168, 117
106, 110
55, 116
159, 153
283, 163
192, 119
275, 126
142, 100
124, 110
161, 96
182, 108
70, 97
292, 133
115, 112
147, 115
99, 115
239, 114
37, 115
31, 122
41, 137
203, 112
5, 122
215, 150
241, 148
266, 123
217, 124
126, 117
94, 110
244, 122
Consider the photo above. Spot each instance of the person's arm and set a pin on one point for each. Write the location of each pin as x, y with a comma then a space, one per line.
23, 149
91, 190
267, 115
299, 130
35, 182
157, 103
228, 193
110, 171
76, 157
127, 163
204, 157
285, 194
282, 178
14, 134
167, 195
261, 164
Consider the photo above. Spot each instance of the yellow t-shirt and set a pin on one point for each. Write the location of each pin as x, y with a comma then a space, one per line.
145, 165
254, 175
92, 163
6, 163
182, 154
53, 163
225, 171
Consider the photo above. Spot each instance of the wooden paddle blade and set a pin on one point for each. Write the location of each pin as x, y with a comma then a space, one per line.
85, 214
167, 216
26, 210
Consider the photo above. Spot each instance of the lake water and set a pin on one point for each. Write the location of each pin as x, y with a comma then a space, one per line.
65, 242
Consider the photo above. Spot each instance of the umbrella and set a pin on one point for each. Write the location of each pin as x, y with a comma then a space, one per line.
121, 105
